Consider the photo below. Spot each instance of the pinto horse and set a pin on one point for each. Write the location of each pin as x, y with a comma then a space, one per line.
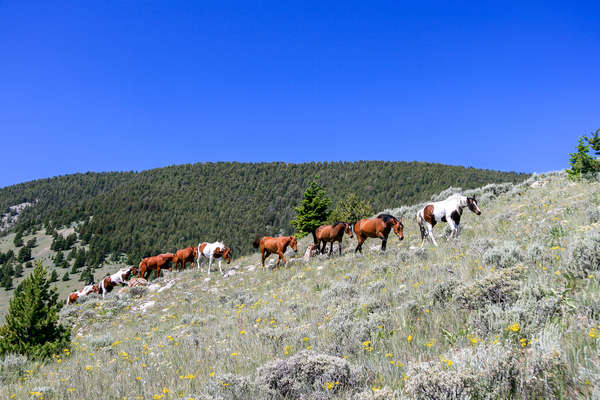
74, 296
213, 250
275, 245
449, 211
331, 233
120, 277
156, 262
183, 256
377, 227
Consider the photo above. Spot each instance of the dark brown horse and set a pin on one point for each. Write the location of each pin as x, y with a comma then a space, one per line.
331, 233
377, 227
156, 262
183, 256
269, 245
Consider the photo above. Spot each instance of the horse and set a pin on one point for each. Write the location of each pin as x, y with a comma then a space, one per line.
331, 233
74, 296
380, 227
183, 256
449, 211
155, 262
120, 277
270, 245
213, 250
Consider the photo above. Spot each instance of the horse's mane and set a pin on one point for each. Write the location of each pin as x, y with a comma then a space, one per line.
256, 242
337, 223
387, 217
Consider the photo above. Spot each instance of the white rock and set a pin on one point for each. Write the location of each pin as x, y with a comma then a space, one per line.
147, 305
154, 287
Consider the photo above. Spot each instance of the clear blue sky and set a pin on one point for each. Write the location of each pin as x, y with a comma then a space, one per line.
132, 85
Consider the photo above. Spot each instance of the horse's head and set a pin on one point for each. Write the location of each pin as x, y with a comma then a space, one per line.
472, 204
131, 271
293, 243
348, 229
399, 228
227, 254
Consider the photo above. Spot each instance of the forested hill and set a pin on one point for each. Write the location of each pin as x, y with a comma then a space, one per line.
143, 213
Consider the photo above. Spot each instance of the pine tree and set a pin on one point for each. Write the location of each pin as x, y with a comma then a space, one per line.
313, 210
54, 276
350, 209
594, 142
19, 271
24, 254
18, 240
581, 161
87, 276
31, 326
66, 276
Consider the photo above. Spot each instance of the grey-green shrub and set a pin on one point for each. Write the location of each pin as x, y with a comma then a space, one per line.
306, 374
504, 256
497, 287
12, 367
584, 255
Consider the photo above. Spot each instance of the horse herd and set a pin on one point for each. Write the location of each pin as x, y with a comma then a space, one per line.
449, 211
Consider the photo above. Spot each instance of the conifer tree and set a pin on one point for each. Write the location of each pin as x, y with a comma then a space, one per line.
350, 209
65, 276
313, 210
581, 161
54, 276
31, 327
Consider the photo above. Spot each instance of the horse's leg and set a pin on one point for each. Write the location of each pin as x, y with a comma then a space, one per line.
340, 247
454, 229
430, 233
281, 257
264, 256
360, 241
210, 263
330, 248
220, 266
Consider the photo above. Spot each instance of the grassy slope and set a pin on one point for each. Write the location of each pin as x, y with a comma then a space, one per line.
425, 324
43, 253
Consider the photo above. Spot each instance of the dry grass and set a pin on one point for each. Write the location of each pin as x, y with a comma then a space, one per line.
405, 323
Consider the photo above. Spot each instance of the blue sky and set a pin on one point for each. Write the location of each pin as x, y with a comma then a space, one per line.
132, 85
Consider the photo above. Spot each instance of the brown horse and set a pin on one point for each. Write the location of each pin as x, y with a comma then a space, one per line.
377, 227
156, 262
269, 245
183, 256
331, 233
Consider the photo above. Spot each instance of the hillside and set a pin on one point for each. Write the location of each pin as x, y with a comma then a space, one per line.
141, 214
508, 310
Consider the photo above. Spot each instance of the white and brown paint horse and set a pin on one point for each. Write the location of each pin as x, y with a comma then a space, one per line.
213, 250
121, 277
74, 296
449, 210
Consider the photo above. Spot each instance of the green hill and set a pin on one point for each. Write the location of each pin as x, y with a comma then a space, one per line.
508, 310
141, 214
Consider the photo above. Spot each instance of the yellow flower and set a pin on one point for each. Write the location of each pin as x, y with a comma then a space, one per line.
242, 332
88, 367
389, 355
234, 354
430, 343
515, 327
138, 378
305, 339
158, 396
375, 388
409, 338
328, 385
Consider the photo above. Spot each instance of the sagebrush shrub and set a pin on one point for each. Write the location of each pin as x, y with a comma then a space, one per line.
584, 255
307, 373
498, 287
12, 367
504, 256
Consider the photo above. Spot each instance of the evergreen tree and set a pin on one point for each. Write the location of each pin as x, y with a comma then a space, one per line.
31, 243
87, 276
313, 210
19, 271
24, 254
581, 161
29, 265
59, 260
350, 209
54, 276
594, 142
31, 326
18, 240
65, 276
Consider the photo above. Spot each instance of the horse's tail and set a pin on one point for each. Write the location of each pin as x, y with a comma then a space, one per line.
314, 235
256, 242
420, 221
